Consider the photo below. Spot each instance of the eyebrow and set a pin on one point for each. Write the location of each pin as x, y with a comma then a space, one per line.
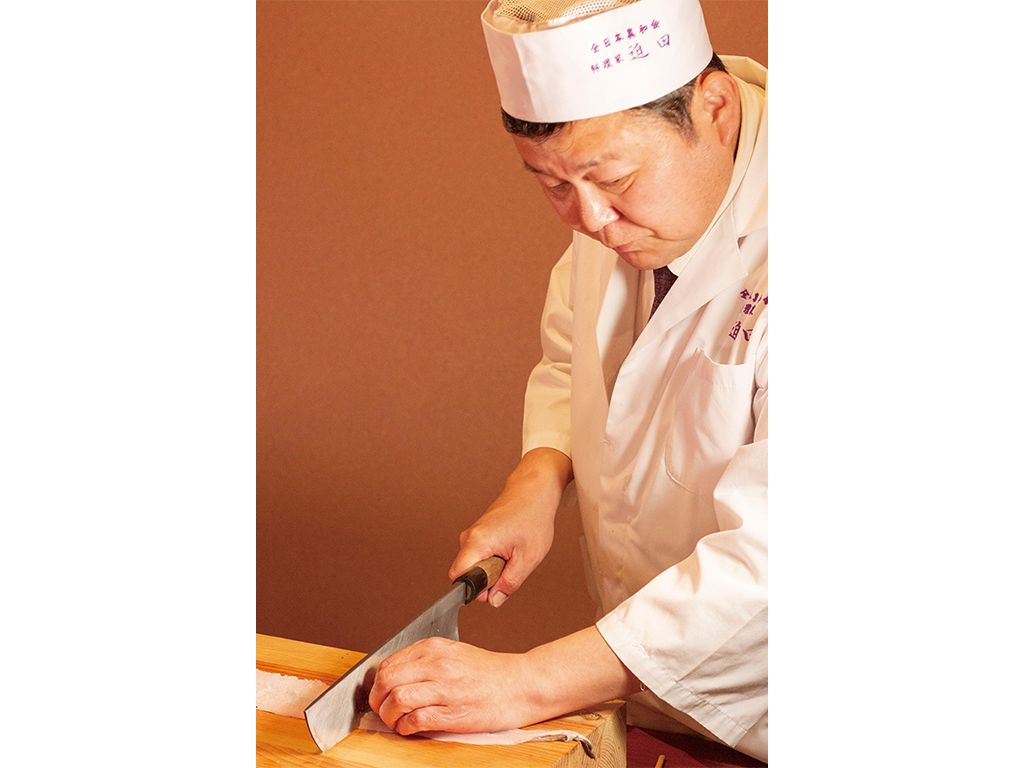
585, 167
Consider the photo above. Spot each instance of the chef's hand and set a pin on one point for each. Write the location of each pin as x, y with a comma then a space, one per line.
520, 525
442, 685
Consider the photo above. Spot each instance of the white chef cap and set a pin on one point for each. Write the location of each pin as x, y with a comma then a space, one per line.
562, 60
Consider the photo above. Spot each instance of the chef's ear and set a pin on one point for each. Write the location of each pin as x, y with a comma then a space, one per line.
716, 103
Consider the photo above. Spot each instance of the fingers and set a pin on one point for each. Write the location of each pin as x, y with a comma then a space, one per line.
472, 552
396, 670
411, 708
515, 572
405, 692
510, 580
474, 549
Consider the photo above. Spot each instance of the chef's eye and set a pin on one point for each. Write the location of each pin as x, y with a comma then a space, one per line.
615, 183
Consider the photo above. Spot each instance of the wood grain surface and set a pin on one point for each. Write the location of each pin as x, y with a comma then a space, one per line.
283, 742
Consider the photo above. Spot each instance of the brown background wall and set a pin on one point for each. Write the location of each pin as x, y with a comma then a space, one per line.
402, 260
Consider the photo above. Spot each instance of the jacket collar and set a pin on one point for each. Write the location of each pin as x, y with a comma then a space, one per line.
747, 196
715, 262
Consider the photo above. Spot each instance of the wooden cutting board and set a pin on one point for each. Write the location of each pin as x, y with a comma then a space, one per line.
284, 742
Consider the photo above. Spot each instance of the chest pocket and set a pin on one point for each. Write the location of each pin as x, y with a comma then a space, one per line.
711, 419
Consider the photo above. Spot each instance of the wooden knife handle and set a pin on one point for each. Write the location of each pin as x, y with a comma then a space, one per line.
481, 576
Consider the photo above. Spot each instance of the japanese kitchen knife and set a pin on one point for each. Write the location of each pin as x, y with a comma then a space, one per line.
336, 712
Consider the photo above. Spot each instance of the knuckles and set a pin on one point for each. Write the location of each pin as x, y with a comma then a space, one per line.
418, 721
409, 724
401, 699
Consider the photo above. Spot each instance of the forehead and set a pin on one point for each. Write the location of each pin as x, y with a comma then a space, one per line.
586, 144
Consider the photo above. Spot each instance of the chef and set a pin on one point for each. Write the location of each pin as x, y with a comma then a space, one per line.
651, 399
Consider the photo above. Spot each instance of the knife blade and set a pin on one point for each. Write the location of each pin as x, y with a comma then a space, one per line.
336, 712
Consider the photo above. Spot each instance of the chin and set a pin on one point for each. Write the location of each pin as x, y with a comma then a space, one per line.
645, 260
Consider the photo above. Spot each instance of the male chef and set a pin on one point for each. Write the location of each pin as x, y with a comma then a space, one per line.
652, 393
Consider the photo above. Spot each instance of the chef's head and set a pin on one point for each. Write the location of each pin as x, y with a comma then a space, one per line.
624, 114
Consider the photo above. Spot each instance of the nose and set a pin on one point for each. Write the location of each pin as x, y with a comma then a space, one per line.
591, 211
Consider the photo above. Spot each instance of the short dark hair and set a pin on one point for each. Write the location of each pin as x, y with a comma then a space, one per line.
674, 107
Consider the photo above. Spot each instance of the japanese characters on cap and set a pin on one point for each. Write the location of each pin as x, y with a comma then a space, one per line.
561, 60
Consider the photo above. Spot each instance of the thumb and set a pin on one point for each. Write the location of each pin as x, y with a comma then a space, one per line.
512, 577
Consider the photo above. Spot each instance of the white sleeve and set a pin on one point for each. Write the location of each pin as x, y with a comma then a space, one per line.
697, 634
546, 411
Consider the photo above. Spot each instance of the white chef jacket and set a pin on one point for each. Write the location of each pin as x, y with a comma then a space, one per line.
666, 423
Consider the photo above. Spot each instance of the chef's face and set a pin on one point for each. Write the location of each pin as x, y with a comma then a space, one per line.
636, 183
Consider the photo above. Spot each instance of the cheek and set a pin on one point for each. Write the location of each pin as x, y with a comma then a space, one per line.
682, 209
662, 213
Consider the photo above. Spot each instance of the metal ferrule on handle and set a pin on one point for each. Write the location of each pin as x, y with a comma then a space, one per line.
481, 576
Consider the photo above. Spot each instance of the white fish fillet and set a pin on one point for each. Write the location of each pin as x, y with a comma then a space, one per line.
284, 694
371, 722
